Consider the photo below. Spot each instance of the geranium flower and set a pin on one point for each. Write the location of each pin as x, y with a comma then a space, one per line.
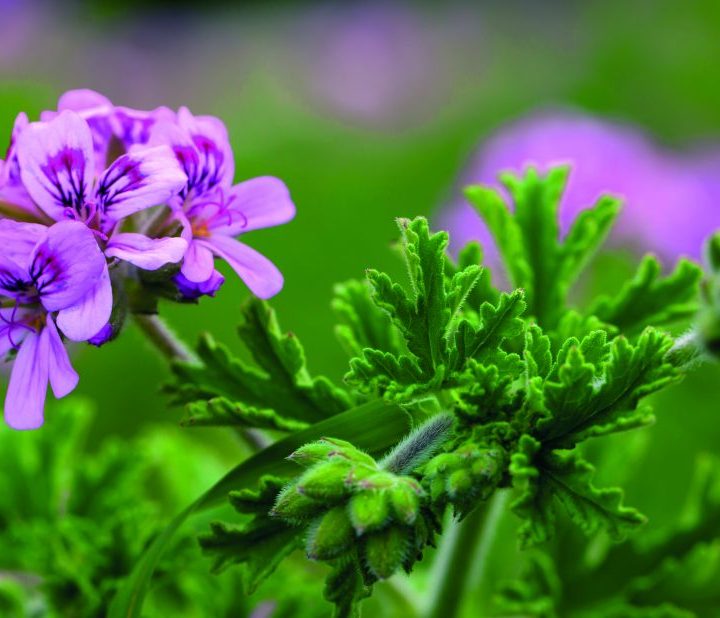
47, 276
58, 168
213, 212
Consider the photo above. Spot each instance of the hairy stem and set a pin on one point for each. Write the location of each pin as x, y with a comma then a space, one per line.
160, 335
459, 565
420, 445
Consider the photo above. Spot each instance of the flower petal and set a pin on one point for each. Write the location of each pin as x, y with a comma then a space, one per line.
18, 240
133, 126
259, 274
191, 290
25, 399
85, 319
83, 99
140, 179
198, 264
66, 265
254, 204
210, 138
146, 253
12, 331
57, 164
202, 148
63, 378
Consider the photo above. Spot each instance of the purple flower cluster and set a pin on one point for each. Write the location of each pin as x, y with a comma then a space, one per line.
94, 195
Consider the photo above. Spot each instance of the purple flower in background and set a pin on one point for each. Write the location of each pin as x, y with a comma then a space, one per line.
213, 212
671, 203
47, 275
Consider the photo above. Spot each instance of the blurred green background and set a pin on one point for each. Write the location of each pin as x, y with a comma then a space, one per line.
365, 134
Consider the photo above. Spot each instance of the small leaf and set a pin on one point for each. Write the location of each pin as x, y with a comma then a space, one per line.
543, 478
650, 299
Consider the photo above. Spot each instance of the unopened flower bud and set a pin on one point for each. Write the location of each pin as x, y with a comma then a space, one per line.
385, 551
330, 536
294, 506
325, 481
369, 510
405, 501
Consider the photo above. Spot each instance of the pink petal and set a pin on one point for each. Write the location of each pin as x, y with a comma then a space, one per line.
258, 203
146, 253
66, 265
12, 332
82, 99
198, 265
210, 137
57, 163
143, 178
25, 399
259, 274
19, 239
63, 378
85, 319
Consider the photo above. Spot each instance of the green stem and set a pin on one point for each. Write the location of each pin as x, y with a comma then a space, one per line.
164, 340
461, 558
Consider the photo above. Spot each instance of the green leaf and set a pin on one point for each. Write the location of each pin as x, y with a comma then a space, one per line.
220, 412
589, 399
497, 323
362, 323
279, 381
423, 314
484, 291
650, 299
259, 547
374, 427
528, 238
543, 478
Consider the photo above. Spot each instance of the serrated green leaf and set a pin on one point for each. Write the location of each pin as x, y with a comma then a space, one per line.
483, 291
362, 323
543, 478
280, 381
220, 412
497, 323
650, 299
259, 547
528, 237
587, 399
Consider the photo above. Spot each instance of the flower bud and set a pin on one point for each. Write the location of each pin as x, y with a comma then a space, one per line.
405, 501
294, 506
313, 453
379, 480
385, 551
459, 483
369, 510
325, 481
330, 536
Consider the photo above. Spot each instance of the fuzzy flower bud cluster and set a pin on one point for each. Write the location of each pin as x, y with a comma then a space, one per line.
349, 502
104, 209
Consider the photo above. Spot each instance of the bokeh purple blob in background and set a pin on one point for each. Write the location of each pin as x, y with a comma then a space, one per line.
671, 199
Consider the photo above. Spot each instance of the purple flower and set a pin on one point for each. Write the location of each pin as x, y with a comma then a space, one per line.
190, 290
671, 202
212, 211
115, 129
47, 276
58, 168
